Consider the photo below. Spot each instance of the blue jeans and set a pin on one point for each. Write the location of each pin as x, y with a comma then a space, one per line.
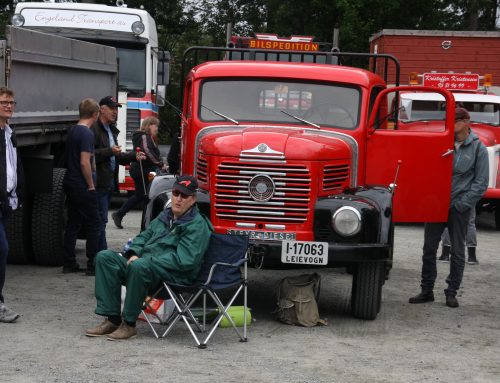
457, 227
4, 250
103, 200
470, 238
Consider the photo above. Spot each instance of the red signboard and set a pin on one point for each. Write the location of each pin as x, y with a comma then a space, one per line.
452, 81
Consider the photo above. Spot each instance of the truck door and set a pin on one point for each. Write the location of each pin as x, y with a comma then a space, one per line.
424, 158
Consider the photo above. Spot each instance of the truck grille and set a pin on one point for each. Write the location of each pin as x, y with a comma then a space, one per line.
288, 204
201, 168
133, 124
335, 176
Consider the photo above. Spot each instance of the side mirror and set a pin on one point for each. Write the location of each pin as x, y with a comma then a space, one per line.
161, 93
163, 67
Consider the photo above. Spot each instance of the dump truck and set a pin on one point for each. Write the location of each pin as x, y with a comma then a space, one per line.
50, 75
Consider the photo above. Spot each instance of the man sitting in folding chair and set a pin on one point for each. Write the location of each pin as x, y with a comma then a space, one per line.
221, 270
171, 249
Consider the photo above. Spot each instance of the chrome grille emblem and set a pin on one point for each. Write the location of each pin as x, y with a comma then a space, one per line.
261, 188
262, 148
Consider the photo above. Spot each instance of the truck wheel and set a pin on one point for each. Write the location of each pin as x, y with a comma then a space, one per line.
497, 216
367, 284
48, 220
18, 234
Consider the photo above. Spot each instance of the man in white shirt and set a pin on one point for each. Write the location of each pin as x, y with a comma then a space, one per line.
10, 188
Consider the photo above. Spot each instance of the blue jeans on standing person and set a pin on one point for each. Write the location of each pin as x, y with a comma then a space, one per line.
470, 238
103, 200
457, 228
4, 249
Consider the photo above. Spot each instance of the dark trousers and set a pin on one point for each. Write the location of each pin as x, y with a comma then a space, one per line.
103, 200
82, 212
457, 228
138, 196
4, 249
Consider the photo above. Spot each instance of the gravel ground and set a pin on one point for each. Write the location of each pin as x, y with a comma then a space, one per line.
406, 343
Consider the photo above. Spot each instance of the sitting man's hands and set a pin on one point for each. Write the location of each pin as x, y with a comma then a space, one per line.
132, 259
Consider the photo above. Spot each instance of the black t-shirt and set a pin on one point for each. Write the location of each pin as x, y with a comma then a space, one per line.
80, 139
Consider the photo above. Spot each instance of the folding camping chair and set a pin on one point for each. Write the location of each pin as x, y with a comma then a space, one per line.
221, 270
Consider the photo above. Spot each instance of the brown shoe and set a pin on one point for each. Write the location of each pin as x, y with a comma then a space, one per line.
104, 328
123, 332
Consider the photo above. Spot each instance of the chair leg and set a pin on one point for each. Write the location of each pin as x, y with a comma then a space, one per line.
222, 314
182, 312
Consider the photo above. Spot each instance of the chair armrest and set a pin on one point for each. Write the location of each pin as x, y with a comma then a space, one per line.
233, 265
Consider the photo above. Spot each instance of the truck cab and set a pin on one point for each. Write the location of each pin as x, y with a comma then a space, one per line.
299, 157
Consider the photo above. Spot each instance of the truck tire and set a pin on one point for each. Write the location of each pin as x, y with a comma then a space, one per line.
19, 236
497, 216
367, 281
48, 222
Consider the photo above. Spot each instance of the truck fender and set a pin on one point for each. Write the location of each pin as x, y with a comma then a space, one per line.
382, 196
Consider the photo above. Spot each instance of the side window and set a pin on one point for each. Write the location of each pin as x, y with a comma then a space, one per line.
382, 110
188, 102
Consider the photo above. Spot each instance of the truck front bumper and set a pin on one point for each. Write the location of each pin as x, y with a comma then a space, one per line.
268, 254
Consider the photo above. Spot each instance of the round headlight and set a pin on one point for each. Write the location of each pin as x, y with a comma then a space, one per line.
17, 20
137, 27
346, 221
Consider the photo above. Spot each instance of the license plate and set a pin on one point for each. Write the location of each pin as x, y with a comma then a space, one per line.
264, 235
304, 252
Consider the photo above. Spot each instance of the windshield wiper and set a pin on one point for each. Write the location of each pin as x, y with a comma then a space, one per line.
221, 115
301, 120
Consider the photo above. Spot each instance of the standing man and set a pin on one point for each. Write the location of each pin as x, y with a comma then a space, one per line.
171, 248
108, 156
469, 182
11, 181
79, 185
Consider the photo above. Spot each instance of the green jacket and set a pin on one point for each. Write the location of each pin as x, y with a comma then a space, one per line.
181, 243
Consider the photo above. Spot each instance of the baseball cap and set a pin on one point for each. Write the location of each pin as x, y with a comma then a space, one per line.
109, 101
461, 114
186, 185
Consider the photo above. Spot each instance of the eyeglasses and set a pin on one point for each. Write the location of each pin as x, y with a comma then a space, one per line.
8, 103
177, 193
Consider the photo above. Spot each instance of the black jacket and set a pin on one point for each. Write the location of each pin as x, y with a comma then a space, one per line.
103, 153
3, 169
144, 141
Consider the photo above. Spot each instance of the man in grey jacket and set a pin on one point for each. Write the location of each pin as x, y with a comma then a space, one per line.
469, 182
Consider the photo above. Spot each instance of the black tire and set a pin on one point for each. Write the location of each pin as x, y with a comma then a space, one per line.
48, 223
366, 298
497, 216
19, 235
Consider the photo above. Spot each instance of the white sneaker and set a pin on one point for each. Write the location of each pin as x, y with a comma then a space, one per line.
6, 314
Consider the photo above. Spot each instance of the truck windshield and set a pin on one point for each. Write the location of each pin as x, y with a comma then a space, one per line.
132, 73
132, 66
251, 100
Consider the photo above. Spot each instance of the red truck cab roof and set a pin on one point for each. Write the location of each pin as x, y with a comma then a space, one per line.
309, 72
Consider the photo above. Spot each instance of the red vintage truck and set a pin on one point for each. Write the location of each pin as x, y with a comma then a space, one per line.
300, 157
424, 111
